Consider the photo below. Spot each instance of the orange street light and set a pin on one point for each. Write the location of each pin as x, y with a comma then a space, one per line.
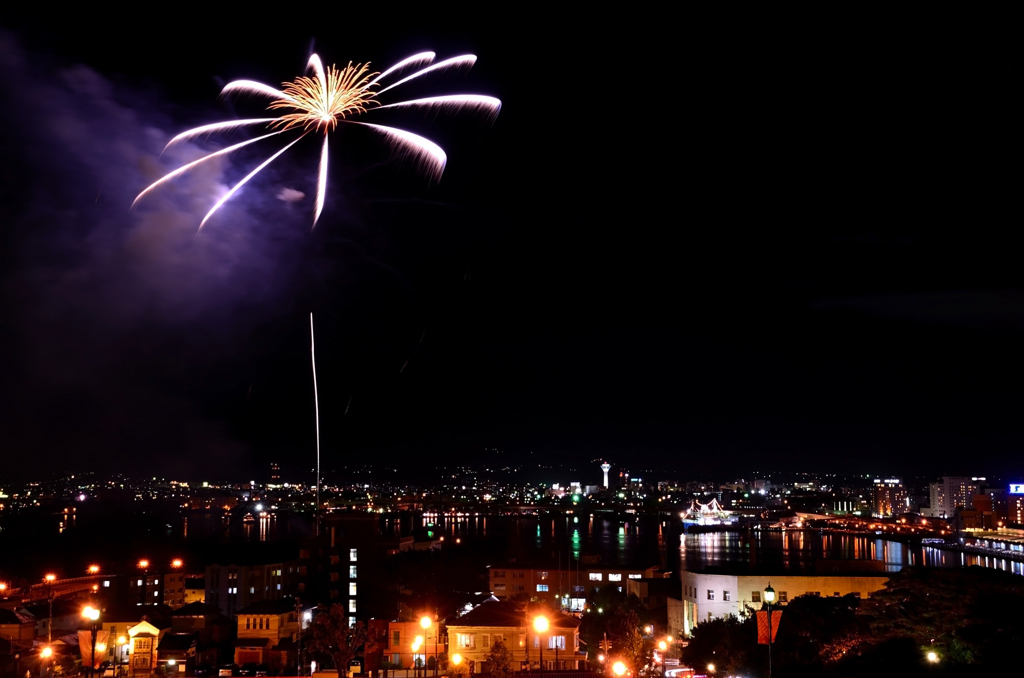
456, 659
426, 622
90, 612
94, 569
619, 669
51, 578
143, 563
662, 646
176, 563
540, 624
46, 652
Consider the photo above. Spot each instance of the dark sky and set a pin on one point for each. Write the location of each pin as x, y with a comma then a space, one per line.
715, 246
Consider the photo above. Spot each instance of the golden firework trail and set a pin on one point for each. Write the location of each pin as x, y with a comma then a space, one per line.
332, 96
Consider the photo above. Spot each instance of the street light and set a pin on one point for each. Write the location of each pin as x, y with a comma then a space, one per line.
769, 598
933, 657
426, 623
176, 563
416, 646
711, 668
94, 569
91, 614
45, 653
540, 625
619, 669
50, 578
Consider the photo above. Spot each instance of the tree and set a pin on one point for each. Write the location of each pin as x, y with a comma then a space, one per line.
333, 637
499, 660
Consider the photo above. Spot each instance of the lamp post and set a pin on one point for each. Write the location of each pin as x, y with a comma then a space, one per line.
144, 566
540, 625
91, 614
416, 644
769, 598
46, 653
425, 623
50, 578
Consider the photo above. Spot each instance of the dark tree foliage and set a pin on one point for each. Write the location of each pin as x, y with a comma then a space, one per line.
620, 617
332, 637
967, 616
499, 660
730, 644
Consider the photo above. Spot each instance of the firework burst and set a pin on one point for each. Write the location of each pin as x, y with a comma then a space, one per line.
333, 96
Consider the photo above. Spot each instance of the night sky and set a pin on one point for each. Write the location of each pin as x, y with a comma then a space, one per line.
712, 246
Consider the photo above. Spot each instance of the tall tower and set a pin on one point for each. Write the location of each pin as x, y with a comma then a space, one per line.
606, 467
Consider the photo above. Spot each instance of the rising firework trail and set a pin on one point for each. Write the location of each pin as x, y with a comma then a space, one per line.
331, 96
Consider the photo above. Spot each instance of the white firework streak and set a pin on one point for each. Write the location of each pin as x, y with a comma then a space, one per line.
253, 87
451, 102
421, 58
426, 151
216, 127
181, 170
321, 184
465, 60
241, 183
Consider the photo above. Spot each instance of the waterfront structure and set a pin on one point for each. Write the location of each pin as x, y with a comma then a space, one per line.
890, 498
473, 634
707, 596
606, 467
951, 493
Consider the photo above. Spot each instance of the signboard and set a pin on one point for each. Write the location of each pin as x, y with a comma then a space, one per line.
1016, 488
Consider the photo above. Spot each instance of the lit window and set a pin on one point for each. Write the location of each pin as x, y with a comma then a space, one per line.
711, 594
351, 571
351, 622
726, 596
352, 605
635, 576
352, 555
278, 587
156, 593
352, 588
252, 589
542, 575
542, 587
155, 582
106, 583
556, 642
464, 640
138, 583
615, 576
596, 576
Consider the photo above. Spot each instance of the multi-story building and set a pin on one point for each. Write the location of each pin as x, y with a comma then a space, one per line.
266, 633
890, 498
951, 493
560, 588
711, 595
231, 587
473, 634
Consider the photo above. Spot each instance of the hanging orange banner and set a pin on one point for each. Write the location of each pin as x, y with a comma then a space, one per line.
762, 625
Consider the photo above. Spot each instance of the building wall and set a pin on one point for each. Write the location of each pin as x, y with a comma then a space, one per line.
715, 596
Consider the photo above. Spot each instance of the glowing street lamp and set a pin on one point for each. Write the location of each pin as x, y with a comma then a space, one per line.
540, 625
769, 598
176, 563
933, 657
91, 614
619, 669
94, 569
711, 668
426, 623
50, 578
456, 659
